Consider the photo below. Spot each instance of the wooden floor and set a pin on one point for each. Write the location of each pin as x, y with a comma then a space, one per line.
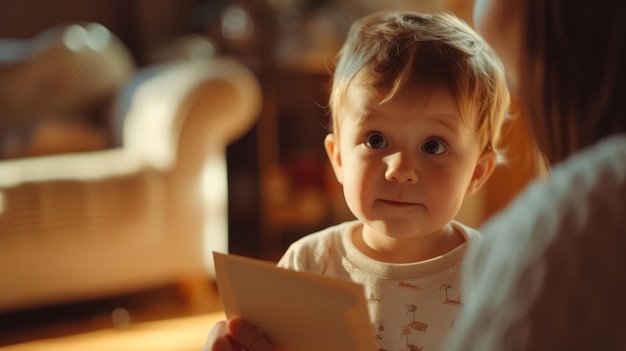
160, 319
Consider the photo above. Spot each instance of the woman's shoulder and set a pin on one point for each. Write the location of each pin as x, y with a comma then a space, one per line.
579, 211
582, 204
586, 189
560, 237
598, 167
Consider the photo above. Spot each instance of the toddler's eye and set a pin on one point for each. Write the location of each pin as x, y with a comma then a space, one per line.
433, 147
376, 141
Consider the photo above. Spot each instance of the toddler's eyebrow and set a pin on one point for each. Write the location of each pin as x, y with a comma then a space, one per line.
446, 121
365, 115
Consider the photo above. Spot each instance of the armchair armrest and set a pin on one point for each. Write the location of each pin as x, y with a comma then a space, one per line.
219, 97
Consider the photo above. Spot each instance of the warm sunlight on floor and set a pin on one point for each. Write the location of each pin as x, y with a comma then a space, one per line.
172, 318
180, 334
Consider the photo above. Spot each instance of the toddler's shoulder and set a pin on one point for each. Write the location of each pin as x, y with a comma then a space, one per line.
315, 249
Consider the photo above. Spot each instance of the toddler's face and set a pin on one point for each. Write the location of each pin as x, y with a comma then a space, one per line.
405, 165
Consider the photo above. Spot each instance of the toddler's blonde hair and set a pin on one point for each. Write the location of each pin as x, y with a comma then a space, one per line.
388, 50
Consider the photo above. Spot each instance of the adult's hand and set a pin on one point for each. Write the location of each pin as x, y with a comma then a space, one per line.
236, 335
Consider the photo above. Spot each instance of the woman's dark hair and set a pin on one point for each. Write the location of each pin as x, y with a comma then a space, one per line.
573, 78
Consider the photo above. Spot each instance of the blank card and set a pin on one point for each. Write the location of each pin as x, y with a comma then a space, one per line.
298, 311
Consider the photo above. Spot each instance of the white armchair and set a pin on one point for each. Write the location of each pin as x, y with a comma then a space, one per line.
94, 224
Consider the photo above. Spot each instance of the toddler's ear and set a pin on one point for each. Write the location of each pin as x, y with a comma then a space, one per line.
482, 171
332, 150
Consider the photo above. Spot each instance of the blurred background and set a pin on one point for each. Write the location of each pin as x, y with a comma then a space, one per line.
136, 136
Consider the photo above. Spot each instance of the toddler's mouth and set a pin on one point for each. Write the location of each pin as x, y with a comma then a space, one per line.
398, 203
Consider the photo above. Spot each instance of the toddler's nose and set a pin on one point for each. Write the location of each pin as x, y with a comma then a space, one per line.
400, 168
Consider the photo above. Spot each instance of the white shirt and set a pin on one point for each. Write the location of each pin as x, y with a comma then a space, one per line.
549, 272
410, 305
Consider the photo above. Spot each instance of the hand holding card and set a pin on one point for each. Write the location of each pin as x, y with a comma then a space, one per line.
297, 311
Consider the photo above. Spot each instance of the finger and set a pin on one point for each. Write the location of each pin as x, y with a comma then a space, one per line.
248, 336
218, 339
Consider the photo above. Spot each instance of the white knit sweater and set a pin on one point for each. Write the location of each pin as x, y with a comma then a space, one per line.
549, 273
